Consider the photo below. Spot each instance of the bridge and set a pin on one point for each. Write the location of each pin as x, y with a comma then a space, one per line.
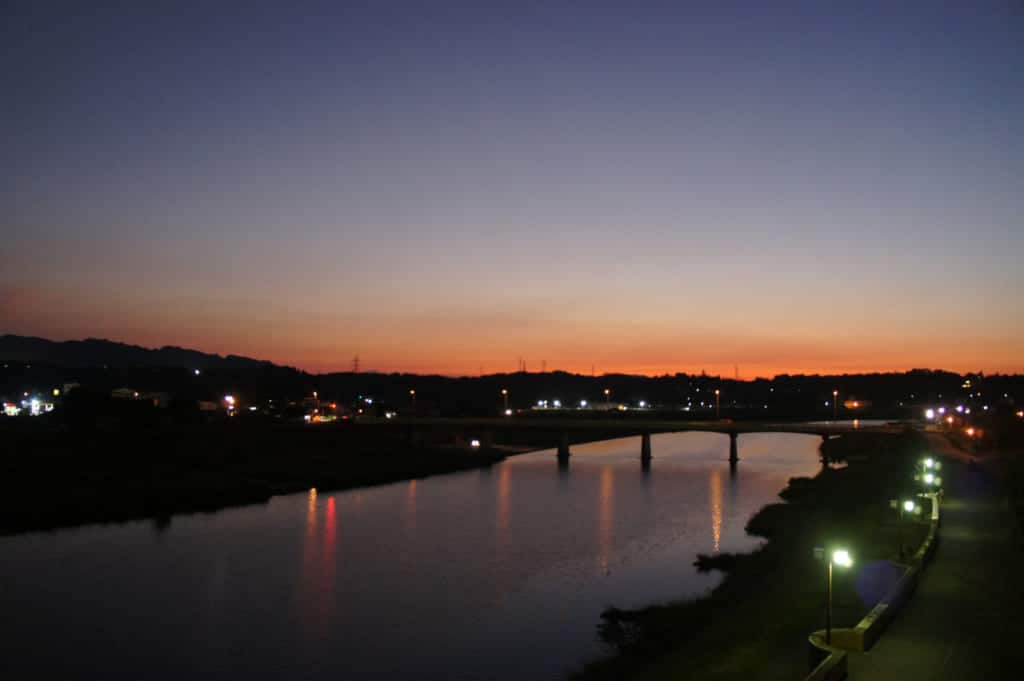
483, 429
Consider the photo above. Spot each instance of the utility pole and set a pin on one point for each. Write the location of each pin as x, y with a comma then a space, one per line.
355, 364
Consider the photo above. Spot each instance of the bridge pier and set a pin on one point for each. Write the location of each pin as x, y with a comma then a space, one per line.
645, 447
734, 452
563, 447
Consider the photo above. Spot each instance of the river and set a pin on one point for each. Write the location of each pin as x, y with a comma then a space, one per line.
499, 573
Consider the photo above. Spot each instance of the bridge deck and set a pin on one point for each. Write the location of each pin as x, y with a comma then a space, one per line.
629, 426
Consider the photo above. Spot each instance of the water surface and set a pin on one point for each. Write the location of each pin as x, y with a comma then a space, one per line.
492, 574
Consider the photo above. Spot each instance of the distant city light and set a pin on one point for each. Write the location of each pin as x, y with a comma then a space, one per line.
642, 404
929, 478
196, 371
960, 408
942, 410
557, 403
583, 403
475, 444
508, 412
228, 399
908, 506
929, 414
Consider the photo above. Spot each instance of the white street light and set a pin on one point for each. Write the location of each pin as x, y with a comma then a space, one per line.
842, 558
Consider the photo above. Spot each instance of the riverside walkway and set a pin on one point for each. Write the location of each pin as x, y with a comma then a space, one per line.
966, 620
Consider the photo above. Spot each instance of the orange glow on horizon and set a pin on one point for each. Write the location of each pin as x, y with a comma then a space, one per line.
619, 342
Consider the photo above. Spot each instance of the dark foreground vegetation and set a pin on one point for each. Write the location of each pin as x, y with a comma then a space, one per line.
755, 623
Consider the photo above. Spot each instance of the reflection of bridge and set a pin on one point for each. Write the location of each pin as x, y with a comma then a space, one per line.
483, 429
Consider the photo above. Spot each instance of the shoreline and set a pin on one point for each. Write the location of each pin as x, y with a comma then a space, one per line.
717, 636
98, 478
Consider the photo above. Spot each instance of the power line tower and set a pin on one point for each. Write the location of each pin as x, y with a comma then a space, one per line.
355, 364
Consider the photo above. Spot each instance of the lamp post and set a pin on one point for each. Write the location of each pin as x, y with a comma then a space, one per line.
907, 506
412, 396
835, 405
504, 394
842, 558
607, 398
929, 468
718, 403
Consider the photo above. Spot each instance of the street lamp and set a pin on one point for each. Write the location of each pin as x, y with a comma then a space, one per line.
842, 558
718, 404
412, 395
904, 507
504, 394
607, 397
835, 404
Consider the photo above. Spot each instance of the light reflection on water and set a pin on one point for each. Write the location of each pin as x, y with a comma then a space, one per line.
451, 577
716, 507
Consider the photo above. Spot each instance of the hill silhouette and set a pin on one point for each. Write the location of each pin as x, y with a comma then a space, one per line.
97, 352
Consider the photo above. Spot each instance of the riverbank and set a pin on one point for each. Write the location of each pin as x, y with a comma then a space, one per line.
755, 623
55, 477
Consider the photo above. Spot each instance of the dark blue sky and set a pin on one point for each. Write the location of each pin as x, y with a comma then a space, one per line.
449, 186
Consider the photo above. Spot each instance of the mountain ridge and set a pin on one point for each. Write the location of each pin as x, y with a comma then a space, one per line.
95, 352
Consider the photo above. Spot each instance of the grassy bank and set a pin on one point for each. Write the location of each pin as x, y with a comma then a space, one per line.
755, 623
55, 477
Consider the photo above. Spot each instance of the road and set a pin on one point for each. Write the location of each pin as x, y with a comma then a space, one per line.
966, 620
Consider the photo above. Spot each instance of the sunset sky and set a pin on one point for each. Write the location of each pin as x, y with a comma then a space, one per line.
644, 187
